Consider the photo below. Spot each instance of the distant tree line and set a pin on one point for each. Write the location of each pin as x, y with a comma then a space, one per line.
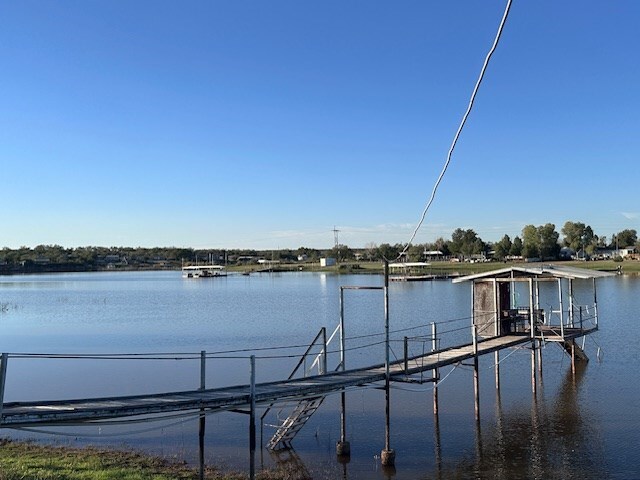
540, 242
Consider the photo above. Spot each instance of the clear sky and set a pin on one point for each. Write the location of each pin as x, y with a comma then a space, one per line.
264, 124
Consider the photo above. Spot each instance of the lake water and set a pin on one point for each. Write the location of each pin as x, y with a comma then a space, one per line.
579, 426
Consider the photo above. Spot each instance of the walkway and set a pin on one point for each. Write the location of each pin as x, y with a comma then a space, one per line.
78, 411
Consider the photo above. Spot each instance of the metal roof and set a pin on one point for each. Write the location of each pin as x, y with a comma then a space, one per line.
408, 264
540, 270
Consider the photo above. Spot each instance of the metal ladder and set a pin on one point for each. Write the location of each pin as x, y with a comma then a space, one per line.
569, 345
306, 407
294, 422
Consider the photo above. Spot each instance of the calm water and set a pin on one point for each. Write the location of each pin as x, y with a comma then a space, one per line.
582, 426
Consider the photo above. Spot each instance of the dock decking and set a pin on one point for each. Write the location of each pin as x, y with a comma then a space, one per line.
79, 411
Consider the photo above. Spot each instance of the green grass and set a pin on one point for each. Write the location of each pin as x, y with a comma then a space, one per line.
631, 267
25, 460
33, 461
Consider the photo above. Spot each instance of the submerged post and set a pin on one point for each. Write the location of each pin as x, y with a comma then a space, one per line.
435, 372
3, 379
202, 420
343, 448
324, 350
387, 456
252, 419
532, 328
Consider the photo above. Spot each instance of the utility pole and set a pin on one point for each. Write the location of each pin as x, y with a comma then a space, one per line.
336, 242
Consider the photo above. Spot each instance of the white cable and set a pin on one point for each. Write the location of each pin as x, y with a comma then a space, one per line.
460, 127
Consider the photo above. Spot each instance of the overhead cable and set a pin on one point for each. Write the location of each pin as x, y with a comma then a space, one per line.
460, 127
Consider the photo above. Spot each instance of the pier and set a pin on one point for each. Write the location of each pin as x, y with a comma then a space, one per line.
499, 321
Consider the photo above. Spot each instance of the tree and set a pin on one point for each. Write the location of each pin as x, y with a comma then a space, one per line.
578, 236
530, 242
516, 247
466, 242
341, 253
389, 252
502, 248
415, 253
549, 246
540, 242
442, 245
625, 238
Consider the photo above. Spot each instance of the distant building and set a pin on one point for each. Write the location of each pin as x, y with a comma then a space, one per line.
327, 262
433, 255
625, 252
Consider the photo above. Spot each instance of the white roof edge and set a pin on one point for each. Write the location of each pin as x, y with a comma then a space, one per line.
544, 270
408, 264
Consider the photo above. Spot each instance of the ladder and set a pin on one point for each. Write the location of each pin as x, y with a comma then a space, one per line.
572, 345
294, 422
316, 354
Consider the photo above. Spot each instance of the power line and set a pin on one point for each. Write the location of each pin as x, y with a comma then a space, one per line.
460, 127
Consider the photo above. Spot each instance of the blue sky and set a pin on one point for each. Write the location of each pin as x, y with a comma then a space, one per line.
265, 124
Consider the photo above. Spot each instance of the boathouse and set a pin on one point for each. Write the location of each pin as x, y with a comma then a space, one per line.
540, 301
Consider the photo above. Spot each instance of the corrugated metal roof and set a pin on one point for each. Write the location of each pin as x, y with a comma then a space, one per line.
550, 271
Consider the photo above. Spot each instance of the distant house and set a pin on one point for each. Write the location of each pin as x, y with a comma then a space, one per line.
303, 258
433, 255
327, 262
625, 252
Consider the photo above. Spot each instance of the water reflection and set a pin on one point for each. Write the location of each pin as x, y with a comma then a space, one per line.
557, 439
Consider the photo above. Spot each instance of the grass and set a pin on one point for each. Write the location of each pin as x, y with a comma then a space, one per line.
631, 267
32, 461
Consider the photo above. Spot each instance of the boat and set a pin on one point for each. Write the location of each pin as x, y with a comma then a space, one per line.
204, 271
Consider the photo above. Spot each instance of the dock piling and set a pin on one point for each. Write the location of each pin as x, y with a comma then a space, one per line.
202, 419
252, 420
3, 378
387, 456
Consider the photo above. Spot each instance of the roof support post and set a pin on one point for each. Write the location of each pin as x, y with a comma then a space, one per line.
571, 302
474, 327
595, 303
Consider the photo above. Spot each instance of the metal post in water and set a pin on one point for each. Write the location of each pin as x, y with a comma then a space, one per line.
202, 420
571, 302
540, 359
3, 381
533, 367
435, 372
532, 328
324, 350
476, 387
387, 456
406, 355
343, 448
496, 359
252, 420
